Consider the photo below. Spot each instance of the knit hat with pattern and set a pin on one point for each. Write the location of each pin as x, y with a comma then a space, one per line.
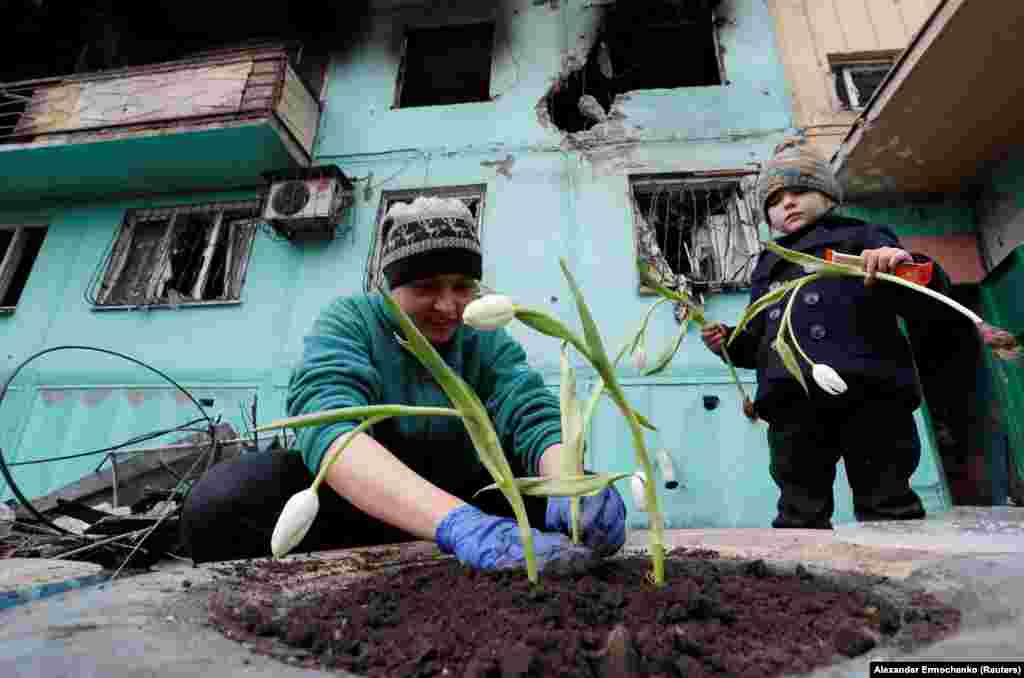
793, 165
431, 236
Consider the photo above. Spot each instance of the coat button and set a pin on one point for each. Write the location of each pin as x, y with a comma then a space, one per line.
774, 314
811, 298
818, 332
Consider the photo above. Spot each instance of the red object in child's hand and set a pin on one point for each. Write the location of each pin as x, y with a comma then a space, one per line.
915, 273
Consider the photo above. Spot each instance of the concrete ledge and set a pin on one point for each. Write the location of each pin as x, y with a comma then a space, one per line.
26, 579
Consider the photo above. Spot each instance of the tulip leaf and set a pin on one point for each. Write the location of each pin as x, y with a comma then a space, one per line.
572, 418
549, 326
696, 312
598, 356
763, 302
789, 360
666, 356
563, 486
591, 405
808, 260
474, 414
350, 413
644, 421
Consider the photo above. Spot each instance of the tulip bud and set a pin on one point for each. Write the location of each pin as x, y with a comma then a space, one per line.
640, 358
638, 485
489, 312
828, 379
294, 522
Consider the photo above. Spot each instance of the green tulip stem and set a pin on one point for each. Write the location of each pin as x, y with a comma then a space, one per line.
732, 373
515, 498
611, 384
335, 453
382, 412
956, 306
650, 492
698, 317
787, 323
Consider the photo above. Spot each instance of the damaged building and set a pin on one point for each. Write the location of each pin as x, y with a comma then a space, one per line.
195, 199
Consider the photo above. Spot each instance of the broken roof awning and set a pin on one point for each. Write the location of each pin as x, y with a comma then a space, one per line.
950, 106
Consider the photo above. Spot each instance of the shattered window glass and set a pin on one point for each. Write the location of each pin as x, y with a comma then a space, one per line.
132, 281
699, 233
170, 256
856, 83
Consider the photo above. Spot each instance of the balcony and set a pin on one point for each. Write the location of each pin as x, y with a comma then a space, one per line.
210, 123
949, 108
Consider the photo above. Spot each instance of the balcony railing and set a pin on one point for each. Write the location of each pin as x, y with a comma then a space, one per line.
231, 86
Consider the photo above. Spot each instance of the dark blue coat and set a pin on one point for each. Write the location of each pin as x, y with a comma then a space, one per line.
840, 322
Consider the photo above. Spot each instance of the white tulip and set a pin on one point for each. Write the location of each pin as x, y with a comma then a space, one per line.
638, 484
294, 522
828, 379
640, 358
489, 312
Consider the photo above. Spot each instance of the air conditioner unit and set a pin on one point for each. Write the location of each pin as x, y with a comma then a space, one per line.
306, 204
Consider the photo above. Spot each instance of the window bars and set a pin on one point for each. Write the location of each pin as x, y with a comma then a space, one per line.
700, 235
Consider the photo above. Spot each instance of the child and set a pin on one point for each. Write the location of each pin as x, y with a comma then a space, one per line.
849, 324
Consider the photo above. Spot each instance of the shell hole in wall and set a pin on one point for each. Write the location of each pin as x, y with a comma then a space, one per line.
645, 44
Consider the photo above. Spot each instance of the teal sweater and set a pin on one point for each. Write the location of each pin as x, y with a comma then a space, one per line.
352, 358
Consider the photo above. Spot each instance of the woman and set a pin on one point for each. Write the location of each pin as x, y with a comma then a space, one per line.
409, 477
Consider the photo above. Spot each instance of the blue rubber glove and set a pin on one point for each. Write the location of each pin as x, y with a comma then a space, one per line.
602, 520
488, 542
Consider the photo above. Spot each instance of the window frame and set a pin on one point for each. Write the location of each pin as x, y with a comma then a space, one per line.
373, 275
844, 66
403, 61
235, 273
747, 217
10, 260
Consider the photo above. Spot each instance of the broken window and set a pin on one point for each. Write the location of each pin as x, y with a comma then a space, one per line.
700, 234
19, 248
643, 44
174, 255
472, 196
447, 65
858, 76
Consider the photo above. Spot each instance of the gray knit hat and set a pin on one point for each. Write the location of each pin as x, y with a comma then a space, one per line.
793, 165
431, 236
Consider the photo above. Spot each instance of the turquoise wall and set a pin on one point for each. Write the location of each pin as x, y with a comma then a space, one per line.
548, 195
936, 218
1003, 305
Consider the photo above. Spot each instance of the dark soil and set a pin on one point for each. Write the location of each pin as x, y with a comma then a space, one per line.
714, 617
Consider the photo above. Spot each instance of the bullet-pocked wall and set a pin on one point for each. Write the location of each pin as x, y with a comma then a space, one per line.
549, 131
